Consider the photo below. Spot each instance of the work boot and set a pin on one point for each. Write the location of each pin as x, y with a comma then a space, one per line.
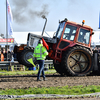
44, 79
39, 80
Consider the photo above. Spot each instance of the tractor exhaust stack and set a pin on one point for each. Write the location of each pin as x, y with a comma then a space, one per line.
44, 24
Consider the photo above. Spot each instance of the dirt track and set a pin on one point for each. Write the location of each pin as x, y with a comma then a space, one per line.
53, 80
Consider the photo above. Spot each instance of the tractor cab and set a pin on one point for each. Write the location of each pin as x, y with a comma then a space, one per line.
72, 33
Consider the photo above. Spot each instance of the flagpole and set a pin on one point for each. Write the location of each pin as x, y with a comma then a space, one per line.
7, 29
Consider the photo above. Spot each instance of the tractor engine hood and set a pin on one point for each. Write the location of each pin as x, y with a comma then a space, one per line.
32, 39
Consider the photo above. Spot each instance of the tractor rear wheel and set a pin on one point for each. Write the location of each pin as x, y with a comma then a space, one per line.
59, 69
77, 61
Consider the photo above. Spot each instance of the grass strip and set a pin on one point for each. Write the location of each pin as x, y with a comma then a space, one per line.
5, 73
65, 90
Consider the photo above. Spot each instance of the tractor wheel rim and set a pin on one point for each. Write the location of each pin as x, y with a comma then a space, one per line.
78, 62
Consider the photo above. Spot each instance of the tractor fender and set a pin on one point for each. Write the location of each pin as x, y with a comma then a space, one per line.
74, 44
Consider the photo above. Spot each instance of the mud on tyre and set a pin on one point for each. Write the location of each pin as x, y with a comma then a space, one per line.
77, 61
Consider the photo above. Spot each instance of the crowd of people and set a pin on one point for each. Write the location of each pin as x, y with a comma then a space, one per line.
97, 49
6, 55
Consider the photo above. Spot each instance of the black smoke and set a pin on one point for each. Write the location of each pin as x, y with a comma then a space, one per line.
26, 10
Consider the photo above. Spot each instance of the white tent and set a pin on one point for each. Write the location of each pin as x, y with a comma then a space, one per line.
21, 37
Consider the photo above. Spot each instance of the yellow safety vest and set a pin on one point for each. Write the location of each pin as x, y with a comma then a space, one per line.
40, 52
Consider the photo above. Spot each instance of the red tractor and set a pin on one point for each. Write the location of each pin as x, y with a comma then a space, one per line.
70, 48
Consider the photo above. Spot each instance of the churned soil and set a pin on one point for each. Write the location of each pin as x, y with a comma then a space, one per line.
28, 81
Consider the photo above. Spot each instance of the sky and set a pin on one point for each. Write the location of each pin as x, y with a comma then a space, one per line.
27, 14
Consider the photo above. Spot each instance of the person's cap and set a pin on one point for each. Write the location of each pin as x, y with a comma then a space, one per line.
40, 41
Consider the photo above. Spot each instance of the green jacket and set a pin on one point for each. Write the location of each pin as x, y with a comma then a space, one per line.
40, 52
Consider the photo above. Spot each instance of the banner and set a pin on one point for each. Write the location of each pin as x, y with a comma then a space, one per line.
10, 40
9, 19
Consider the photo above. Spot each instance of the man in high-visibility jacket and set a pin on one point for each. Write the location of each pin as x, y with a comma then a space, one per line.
40, 54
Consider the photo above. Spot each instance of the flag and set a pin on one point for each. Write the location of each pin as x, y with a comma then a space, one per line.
45, 44
9, 19
31, 61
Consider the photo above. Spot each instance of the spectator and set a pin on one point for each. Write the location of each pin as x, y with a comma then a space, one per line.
2, 56
9, 55
98, 50
5, 56
12, 56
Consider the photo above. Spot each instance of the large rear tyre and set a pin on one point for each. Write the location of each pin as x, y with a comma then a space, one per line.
77, 61
59, 69
26, 54
19, 58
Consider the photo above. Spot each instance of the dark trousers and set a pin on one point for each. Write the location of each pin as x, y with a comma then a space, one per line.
41, 68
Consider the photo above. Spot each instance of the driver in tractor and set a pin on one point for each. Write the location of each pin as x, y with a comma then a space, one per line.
82, 37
